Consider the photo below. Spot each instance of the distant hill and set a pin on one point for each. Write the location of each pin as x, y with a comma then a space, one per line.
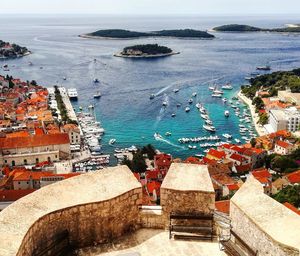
121, 34
246, 28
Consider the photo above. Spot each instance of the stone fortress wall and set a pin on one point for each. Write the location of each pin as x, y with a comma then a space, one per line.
99, 207
267, 226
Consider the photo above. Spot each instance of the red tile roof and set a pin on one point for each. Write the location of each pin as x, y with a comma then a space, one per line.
233, 187
283, 144
27, 175
154, 185
223, 206
243, 168
193, 160
13, 195
217, 154
261, 173
34, 141
293, 177
237, 157
222, 179
292, 207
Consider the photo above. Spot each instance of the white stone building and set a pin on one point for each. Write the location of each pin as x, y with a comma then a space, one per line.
288, 119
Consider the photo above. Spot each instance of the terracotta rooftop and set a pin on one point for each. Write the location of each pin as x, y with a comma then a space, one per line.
284, 144
293, 177
223, 206
34, 141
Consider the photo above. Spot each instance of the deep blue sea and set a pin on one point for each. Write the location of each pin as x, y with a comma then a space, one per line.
125, 110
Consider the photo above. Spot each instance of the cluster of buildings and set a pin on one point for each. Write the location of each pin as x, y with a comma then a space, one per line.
31, 138
283, 111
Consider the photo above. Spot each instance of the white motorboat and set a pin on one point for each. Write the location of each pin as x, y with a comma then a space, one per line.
157, 136
165, 104
227, 86
187, 109
224, 100
204, 116
226, 113
178, 105
91, 106
198, 105
190, 101
64, 78
237, 141
217, 91
173, 115
227, 136
202, 110
112, 141
209, 122
216, 95
97, 95
176, 90
168, 133
194, 94
209, 128
211, 88
72, 93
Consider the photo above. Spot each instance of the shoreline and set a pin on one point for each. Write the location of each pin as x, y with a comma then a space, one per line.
120, 55
254, 115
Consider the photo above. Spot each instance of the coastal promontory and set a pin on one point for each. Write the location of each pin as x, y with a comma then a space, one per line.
127, 34
8, 50
247, 28
145, 51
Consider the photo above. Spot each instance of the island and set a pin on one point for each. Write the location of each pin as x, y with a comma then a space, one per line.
127, 34
145, 51
247, 28
8, 50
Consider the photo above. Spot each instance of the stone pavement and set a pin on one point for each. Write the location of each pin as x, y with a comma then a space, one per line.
146, 242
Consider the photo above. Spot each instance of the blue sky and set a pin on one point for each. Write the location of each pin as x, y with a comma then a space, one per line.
152, 6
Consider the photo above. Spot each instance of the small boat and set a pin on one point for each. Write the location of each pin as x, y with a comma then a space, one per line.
226, 113
112, 141
173, 115
96, 80
209, 128
41, 67
168, 133
190, 101
97, 95
237, 141
157, 136
187, 109
64, 78
217, 91
164, 104
199, 155
202, 110
198, 105
224, 100
152, 96
265, 68
178, 105
80, 107
204, 116
194, 94
91, 106
192, 147
211, 88
227, 87
227, 136
209, 122
216, 95
176, 90
248, 78
30, 63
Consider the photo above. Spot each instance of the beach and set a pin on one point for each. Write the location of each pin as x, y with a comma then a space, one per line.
260, 130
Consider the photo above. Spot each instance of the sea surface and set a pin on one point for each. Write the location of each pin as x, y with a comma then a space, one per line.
125, 110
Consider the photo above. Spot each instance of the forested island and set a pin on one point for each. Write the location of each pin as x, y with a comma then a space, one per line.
145, 51
273, 82
8, 50
127, 34
246, 28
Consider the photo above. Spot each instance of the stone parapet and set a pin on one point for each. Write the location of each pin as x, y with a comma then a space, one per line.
81, 211
265, 225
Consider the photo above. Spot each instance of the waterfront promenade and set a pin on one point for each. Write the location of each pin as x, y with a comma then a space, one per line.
260, 130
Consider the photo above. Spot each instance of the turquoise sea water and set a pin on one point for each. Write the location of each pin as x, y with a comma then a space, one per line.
125, 110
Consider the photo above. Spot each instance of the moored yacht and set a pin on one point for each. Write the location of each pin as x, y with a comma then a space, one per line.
157, 136
226, 113
194, 94
152, 96
112, 141
187, 109
190, 101
209, 128
176, 90
227, 86
216, 95
72, 93
97, 95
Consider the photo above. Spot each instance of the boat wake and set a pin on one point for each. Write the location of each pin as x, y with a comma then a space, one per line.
162, 90
161, 139
161, 111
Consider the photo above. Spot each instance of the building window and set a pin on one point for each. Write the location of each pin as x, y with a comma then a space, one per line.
5, 161
13, 163
55, 156
37, 160
49, 159
25, 161
19, 182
